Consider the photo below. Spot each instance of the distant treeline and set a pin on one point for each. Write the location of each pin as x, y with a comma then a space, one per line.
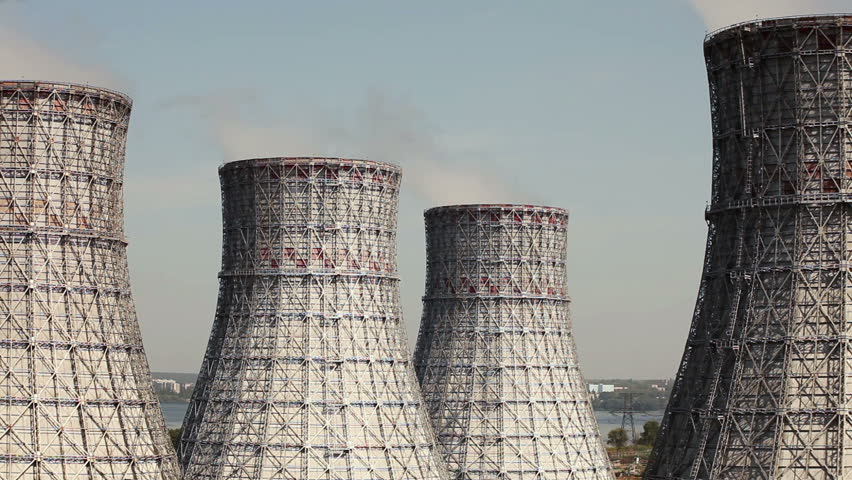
171, 397
646, 397
182, 397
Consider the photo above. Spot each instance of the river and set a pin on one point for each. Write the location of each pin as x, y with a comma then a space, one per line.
174, 413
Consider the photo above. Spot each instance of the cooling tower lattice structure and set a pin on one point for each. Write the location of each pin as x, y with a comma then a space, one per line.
495, 357
765, 384
76, 399
307, 374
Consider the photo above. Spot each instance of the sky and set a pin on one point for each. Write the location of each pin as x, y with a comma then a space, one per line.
597, 107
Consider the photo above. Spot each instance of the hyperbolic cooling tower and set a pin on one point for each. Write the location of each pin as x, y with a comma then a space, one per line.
764, 390
307, 374
495, 356
76, 399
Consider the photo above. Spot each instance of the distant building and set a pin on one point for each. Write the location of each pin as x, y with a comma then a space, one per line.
166, 385
598, 388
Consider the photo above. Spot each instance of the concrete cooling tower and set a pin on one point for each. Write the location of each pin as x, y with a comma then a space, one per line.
495, 357
763, 390
76, 400
307, 373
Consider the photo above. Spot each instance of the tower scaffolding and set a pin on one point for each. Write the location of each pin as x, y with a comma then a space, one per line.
763, 390
307, 373
76, 400
495, 357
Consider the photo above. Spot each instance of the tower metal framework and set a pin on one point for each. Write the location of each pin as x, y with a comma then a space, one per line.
76, 399
307, 373
495, 356
764, 387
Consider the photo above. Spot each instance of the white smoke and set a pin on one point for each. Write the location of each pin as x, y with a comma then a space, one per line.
720, 13
23, 57
383, 128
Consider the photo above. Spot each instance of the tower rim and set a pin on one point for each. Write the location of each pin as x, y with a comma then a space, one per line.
308, 160
82, 87
790, 20
493, 207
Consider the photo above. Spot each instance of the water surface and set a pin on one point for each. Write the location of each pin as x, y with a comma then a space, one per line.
174, 413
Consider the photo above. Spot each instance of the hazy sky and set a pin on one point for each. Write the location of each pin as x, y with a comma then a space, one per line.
598, 107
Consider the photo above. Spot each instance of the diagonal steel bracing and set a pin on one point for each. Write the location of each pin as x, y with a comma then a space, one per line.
76, 400
763, 388
495, 356
307, 373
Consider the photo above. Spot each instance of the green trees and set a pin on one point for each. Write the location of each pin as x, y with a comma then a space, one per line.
174, 435
617, 438
649, 434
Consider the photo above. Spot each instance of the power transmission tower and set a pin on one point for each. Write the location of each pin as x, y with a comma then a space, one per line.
627, 411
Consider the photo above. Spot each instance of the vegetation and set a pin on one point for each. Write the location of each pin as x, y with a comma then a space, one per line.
645, 397
174, 397
630, 460
182, 378
617, 438
649, 434
174, 435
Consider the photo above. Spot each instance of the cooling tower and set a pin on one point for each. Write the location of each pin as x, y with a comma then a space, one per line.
76, 400
495, 356
763, 390
307, 373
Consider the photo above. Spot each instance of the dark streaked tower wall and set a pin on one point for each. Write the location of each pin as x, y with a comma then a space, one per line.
76, 399
495, 357
763, 389
307, 373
